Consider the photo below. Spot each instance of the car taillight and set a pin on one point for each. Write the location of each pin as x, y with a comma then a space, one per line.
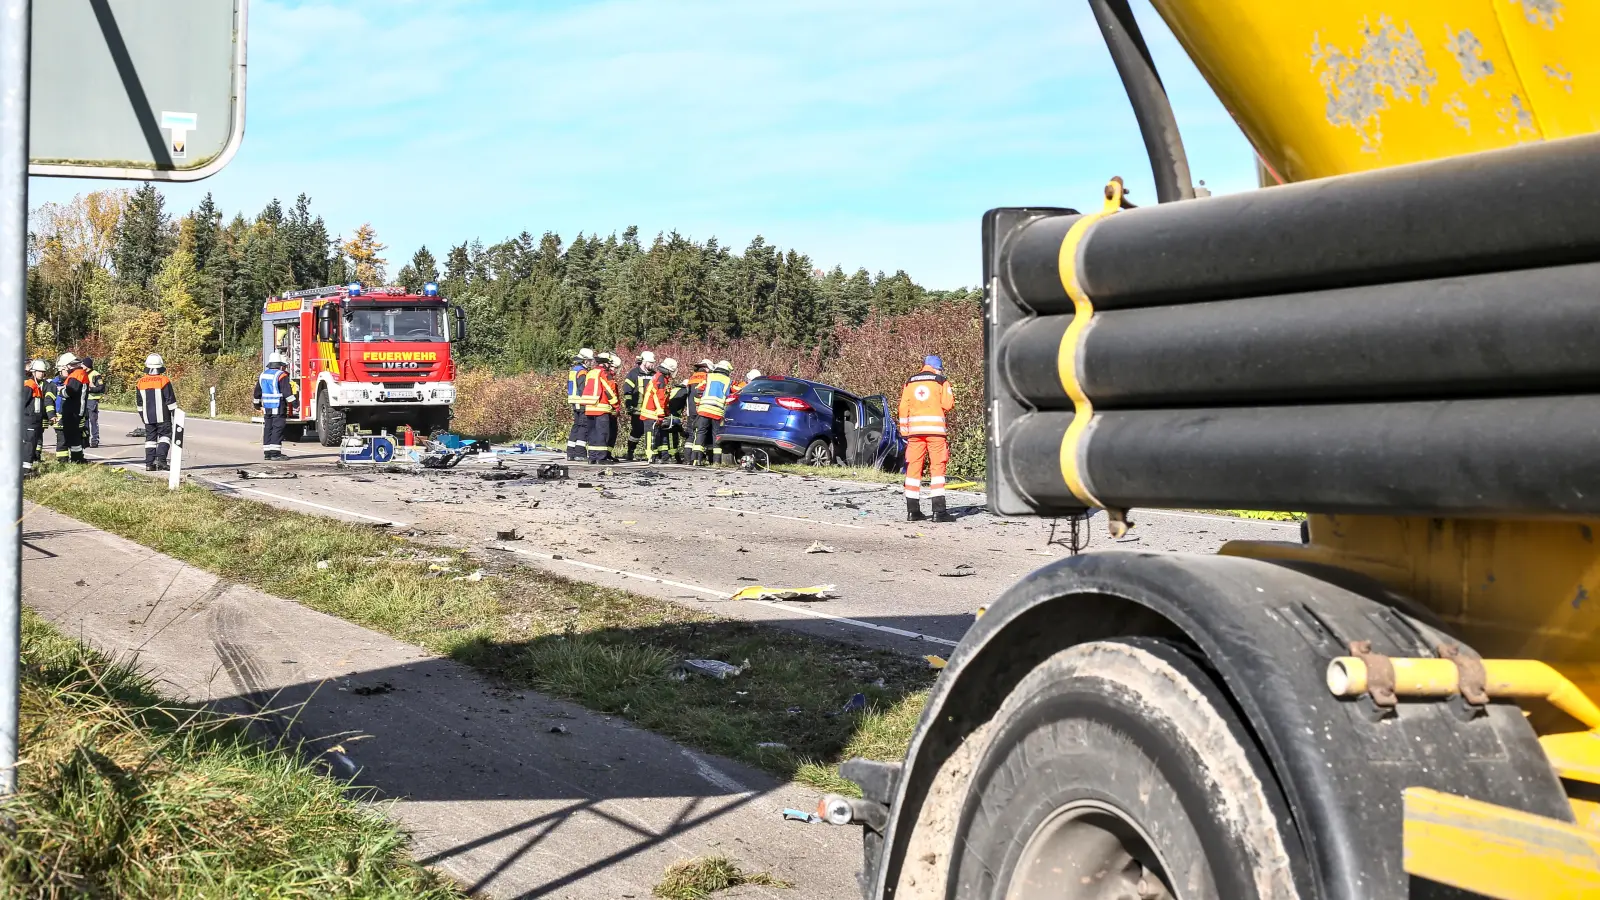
794, 403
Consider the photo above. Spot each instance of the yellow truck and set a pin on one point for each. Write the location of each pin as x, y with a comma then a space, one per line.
1399, 335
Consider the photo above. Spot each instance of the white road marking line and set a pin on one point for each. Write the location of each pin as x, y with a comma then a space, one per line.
714, 775
790, 518
727, 595
913, 635
333, 509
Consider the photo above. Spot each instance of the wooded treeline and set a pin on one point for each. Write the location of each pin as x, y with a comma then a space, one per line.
118, 275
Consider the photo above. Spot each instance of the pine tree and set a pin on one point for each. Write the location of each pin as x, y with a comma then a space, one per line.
422, 269
144, 238
363, 250
856, 299
207, 227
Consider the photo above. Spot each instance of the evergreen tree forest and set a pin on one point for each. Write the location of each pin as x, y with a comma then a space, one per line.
119, 274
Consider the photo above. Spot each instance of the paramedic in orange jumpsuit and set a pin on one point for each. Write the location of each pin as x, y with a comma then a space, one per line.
925, 405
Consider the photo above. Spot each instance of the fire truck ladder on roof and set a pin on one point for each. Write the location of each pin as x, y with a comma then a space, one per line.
327, 291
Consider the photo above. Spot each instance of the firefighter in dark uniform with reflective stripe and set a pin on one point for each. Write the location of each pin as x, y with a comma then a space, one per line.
72, 429
97, 389
577, 378
653, 411
38, 406
602, 411
276, 397
710, 402
633, 388
156, 402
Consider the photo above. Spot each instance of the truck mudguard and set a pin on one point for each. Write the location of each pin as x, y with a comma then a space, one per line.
1266, 633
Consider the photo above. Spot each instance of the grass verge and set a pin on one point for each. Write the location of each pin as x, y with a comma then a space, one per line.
124, 795
698, 878
612, 651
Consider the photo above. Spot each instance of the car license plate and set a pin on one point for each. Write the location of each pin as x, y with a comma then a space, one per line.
400, 395
756, 407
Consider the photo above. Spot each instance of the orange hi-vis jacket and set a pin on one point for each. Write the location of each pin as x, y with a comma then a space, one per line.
605, 392
925, 403
589, 386
654, 406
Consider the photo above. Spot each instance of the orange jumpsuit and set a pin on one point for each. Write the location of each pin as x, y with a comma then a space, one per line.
925, 404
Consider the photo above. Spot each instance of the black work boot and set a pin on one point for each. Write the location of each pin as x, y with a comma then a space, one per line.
914, 511
939, 512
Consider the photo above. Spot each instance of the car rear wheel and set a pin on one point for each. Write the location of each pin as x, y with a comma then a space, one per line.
818, 453
1114, 769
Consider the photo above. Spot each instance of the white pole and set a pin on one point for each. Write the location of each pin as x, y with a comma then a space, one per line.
15, 26
213, 401
175, 459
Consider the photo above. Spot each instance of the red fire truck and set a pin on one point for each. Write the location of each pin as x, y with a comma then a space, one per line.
372, 359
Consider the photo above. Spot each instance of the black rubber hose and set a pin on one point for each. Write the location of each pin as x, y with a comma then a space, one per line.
1519, 332
1529, 457
1521, 207
1162, 143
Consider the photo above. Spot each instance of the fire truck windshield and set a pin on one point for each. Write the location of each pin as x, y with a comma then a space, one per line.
395, 324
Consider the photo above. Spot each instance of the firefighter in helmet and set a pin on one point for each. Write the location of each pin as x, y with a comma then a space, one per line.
38, 406
633, 389
577, 438
276, 397
711, 401
653, 410
156, 402
601, 384
72, 428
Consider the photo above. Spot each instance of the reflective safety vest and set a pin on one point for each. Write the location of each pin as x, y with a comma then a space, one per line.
654, 406
271, 394
57, 395
97, 382
733, 392
74, 399
589, 386
575, 376
634, 386
605, 401
713, 399
925, 402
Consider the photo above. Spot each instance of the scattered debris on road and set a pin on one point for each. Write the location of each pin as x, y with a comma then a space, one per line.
369, 690
935, 662
819, 547
960, 571
252, 474
856, 703
475, 576
758, 592
772, 745
551, 471
560, 729
795, 815
507, 534
712, 668
502, 475
728, 492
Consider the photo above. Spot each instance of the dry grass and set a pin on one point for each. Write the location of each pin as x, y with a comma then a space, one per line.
698, 878
124, 795
609, 650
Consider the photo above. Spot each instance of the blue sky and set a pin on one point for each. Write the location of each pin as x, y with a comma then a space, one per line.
863, 132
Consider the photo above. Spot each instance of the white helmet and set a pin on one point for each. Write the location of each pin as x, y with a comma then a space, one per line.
273, 359
703, 364
586, 353
154, 361
65, 360
647, 357
38, 366
669, 366
752, 375
723, 366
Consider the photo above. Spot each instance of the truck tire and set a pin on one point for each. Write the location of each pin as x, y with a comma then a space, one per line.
330, 421
1118, 769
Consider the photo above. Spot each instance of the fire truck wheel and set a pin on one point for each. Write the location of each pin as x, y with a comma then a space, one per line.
1118, 768
330, 422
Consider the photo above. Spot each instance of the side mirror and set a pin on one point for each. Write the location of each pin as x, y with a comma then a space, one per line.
460, 316
326, 325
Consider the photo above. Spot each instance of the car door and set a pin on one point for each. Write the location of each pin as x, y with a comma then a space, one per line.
880, 434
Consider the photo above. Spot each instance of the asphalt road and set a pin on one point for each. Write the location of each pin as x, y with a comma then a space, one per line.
696, 536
